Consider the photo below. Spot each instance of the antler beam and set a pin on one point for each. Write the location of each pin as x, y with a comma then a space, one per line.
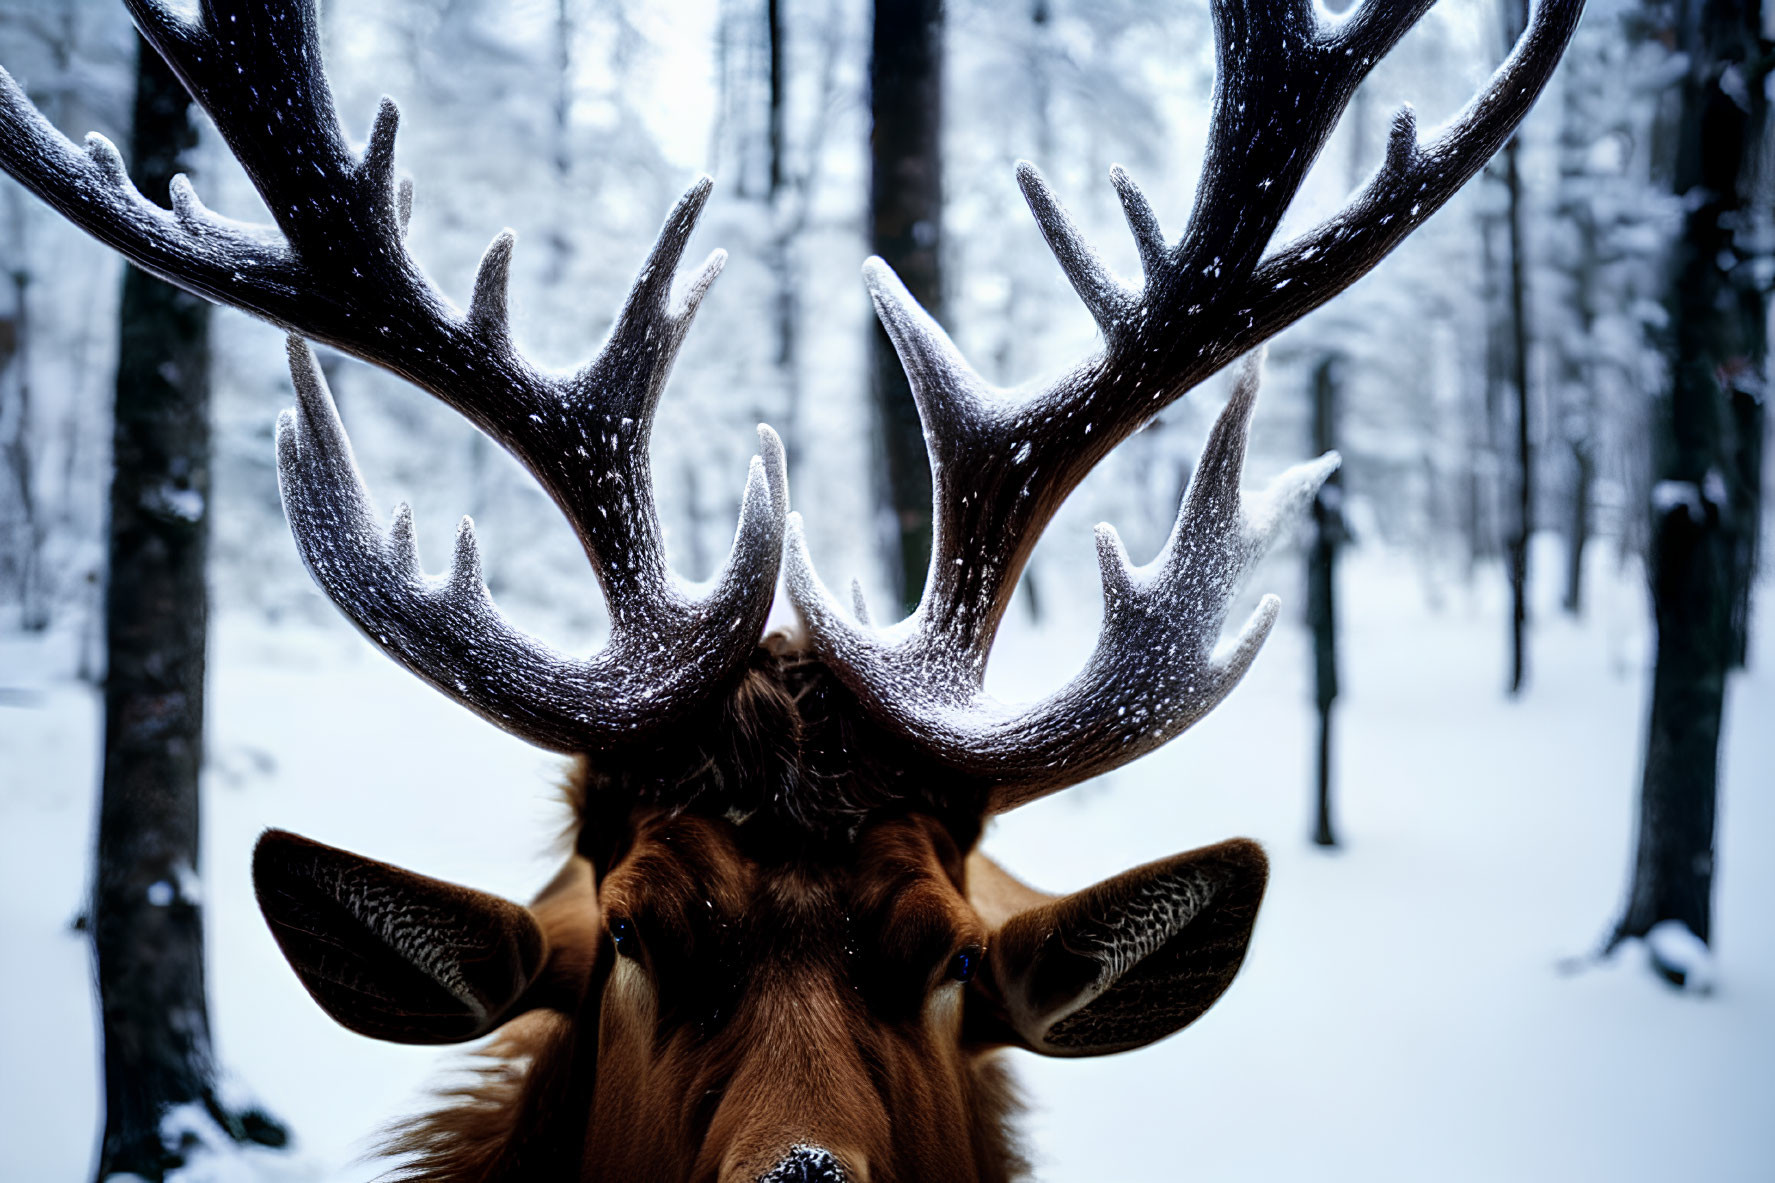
1003, 461
1157, 667
664, 653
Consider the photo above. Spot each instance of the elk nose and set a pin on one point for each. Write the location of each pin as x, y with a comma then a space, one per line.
805, 1164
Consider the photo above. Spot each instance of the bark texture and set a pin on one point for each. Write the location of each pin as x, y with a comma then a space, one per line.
906, 229
1328, 535
146, 921
1522, 524
1707, 430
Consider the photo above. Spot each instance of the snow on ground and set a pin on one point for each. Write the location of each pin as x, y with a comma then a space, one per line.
1409, 1010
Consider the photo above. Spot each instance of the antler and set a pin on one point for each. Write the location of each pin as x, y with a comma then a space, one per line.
1003, 462
336, 269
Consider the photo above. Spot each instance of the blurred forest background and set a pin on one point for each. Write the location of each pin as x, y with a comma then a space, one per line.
1520, 920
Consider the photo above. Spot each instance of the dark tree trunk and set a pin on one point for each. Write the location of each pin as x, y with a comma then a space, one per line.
1487, 457
1577, 350
906, 221
1522, 519
1714, 338
781, 254
1522, 527
773, 36
147, 927
1747, 391
1328, 535
1578, 527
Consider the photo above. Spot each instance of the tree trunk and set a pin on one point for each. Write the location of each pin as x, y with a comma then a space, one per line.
1578, 377
1328, 534
906, 220
1523, 526
1747, 392
781, 255
560, 241
1487, 454
1578, 527
1714, 338
773, 37
146, 922
22, 564
1515, 17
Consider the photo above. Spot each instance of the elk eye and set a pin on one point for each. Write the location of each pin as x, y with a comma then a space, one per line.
622, 935
964, 963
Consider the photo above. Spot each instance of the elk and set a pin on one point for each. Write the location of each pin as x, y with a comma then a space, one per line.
775, 952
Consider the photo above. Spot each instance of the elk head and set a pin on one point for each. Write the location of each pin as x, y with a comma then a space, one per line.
775, 953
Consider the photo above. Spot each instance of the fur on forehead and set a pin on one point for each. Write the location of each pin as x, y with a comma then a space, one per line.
786, 755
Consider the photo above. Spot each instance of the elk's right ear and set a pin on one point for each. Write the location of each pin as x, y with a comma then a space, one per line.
1130, 960
391, 954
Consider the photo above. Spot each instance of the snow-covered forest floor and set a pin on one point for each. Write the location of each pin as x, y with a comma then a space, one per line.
1410, 1009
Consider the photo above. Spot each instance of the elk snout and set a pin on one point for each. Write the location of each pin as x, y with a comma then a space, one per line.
806, 1164
797, 1162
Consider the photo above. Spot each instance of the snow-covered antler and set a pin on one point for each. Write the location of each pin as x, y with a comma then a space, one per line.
446, 629
1003, 461
335, 269
1157, 667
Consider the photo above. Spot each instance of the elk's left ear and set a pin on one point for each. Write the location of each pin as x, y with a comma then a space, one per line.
391, 954
1131, 960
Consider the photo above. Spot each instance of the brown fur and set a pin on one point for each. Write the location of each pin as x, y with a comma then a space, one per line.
792, 939
517, 1075
786, 749
799, 1059
796, 917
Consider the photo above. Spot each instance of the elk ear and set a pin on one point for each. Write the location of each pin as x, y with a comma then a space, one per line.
1131, 960
391, 954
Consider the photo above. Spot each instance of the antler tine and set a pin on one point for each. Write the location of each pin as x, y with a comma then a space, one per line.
1282, 78
1413, 182
224, 57
335, 269
592, 449
1142, 222
1002, 464
1109, 300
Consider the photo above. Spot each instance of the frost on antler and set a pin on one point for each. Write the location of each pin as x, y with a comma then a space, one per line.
335, 269
447, 630
1003, 461
586, 440
1159, 664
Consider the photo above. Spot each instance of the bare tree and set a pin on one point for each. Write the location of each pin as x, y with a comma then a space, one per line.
1522, 523
146, 920
1575, 346
21, 519
1328, 535
1706, 453
790, 195
906, 230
